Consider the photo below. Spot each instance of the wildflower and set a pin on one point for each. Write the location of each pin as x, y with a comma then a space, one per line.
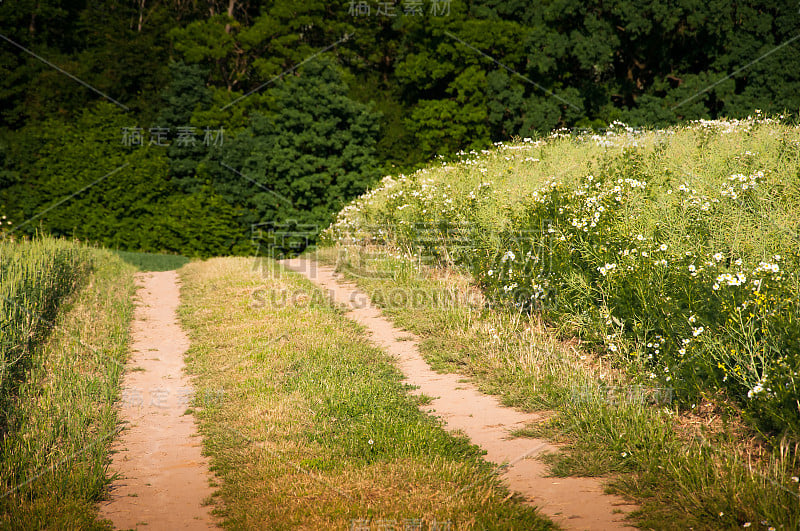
663, 247
731, 280
755, 390
718, 257
371, 442
692, 318
697, 331
508, 256
605, 269
764, 266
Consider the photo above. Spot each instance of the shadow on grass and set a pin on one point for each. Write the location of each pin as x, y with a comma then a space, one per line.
153, 262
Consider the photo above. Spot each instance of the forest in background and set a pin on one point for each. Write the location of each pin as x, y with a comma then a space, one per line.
197, 127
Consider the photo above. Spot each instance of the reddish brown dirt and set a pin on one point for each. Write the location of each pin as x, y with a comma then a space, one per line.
574, 503
163, 478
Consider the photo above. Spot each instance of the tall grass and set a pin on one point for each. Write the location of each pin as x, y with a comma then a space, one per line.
35, 278
61, 418
672, 252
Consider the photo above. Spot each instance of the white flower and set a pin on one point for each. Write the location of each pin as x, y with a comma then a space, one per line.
490, 272
508, 256
692, 319
759, 387
605, 269
697, 331
371, 442
718, 257
731, 280
663, 247
764, 266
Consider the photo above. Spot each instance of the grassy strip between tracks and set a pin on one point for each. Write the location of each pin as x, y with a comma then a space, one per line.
310, 427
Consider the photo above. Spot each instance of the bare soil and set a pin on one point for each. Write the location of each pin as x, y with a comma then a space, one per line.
163, 478
574, 503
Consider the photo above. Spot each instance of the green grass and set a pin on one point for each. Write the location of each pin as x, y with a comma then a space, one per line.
153, 262
62, 418
308, 426
684, 468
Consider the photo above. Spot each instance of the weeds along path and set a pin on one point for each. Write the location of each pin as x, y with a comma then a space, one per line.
163, 478
574, 503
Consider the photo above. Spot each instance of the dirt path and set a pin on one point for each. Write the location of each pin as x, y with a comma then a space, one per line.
163, 476
575, 503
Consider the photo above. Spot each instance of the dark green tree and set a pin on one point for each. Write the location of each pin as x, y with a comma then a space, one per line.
306, 158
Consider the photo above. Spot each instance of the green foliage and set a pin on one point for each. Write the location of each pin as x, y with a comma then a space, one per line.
305, 159
88, 186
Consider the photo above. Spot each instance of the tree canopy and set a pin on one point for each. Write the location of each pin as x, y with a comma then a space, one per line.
240, 113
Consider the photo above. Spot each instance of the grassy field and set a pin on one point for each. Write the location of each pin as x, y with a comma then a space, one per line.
309, 427
675, 253
61, 418
641, 285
